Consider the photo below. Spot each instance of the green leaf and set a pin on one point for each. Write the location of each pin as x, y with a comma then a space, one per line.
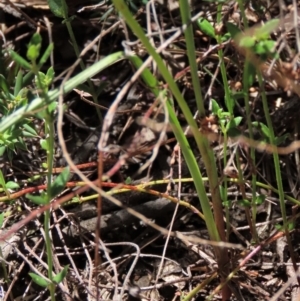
59, 183
57, 8
146, 75
237, 120
222, 192
291, 226
265, 130
18, 59
205, 26
39, 280
244, 203
12, 185
44, 144
28, 78
238, 95
128, 181
9, 155
2, 150
230, 103
260, 199
69, 19
30, 130
61, 275
22, 97
281, 139
226, 204
247, 42
19, 83
263, 32
232, 29
265, 49
36, 40
76, 199
26, 134
46, 55
33, 52
1, 219
251, 74
50, 75
233, 132
40, 80
3, 84
20, 144
233, 123
52, 106
2, 183
107, 14
215, 107
224, 115
38, 199
269, 45
225, 37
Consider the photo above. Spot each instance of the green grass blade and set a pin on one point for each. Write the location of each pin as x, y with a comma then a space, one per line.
53, 95
200, 139
191, 52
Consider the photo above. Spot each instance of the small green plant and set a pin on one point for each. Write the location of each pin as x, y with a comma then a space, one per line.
13, 137
15, 93
43, 282
56, 187
267, 134
6, 186
256, 39
228, 123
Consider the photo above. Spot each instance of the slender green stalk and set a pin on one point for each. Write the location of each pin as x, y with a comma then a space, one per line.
277, 170
239, 181
204, 148
252, 150
76, 49
191, 52
230, 106
151, 81
242, 10
228, 99
200, 139
207, 154
272, 141
198, 288
249, 125
50, 132
225, 185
